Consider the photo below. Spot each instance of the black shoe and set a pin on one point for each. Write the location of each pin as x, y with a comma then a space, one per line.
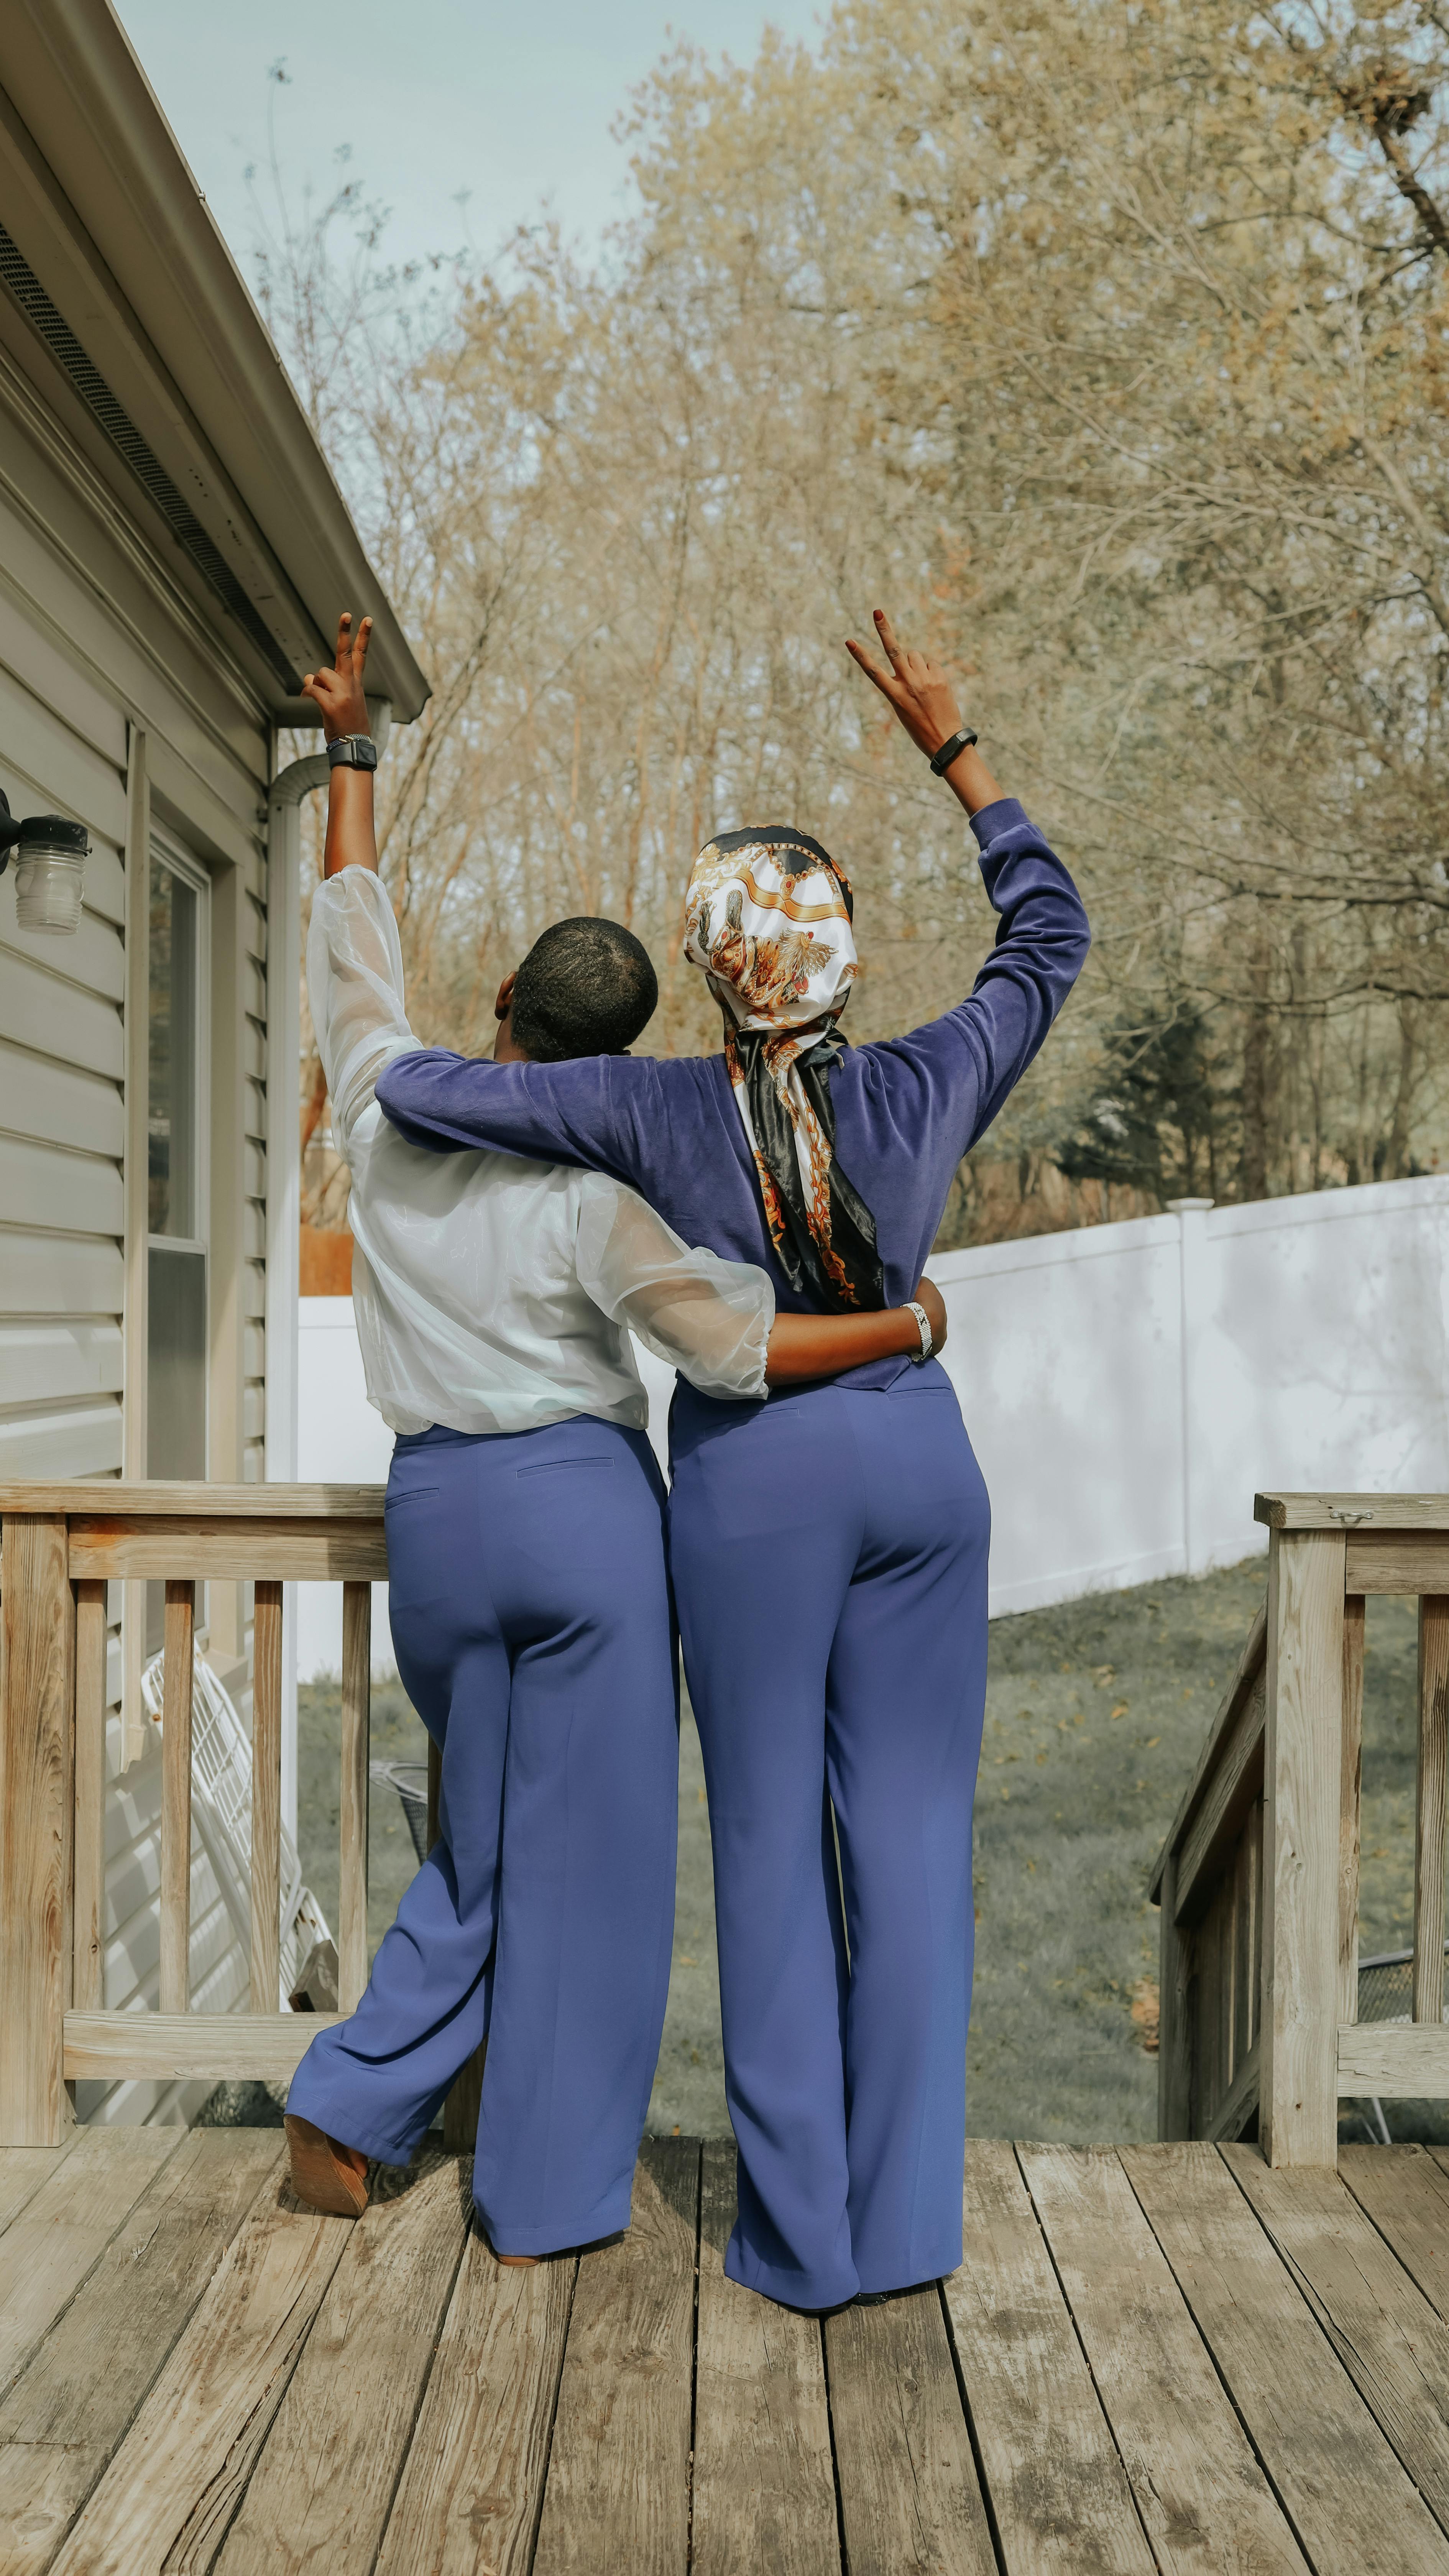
878, 2298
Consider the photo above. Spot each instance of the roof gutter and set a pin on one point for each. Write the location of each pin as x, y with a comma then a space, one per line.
174, 334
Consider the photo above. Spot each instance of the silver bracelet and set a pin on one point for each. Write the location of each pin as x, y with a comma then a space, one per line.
924, 1320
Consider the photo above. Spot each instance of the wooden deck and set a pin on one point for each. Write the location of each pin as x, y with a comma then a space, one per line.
1159, 2357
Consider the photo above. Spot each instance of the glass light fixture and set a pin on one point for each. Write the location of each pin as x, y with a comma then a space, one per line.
50, 859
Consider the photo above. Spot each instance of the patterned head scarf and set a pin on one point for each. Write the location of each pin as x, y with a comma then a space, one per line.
768, 918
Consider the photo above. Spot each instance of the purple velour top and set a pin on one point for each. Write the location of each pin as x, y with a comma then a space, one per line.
906, 1109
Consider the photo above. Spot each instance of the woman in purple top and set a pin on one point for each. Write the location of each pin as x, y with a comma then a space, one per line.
828, 1547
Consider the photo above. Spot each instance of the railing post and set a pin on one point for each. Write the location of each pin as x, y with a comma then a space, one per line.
356, 1724
177, 1680
1350, 1806
88, 1973
1429, 1808
1174, 2027
266, 1889
1302, 1783
36, 1828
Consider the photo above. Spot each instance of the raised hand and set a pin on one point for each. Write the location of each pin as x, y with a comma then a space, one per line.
338, 692
924, 700
916, 687
351, 831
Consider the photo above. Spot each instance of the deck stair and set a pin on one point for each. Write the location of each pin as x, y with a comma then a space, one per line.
1258, 1880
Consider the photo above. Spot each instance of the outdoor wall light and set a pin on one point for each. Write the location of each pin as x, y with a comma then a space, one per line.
50, 859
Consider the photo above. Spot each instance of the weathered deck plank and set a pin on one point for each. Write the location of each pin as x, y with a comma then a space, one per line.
22, 2171
764, 2485
1405, 2191
68, 2412
472, 2491
176, 2481
910, 2500
1350, 2499
210, 2379
1058, 2489
1202, 2495
320, 2493
1392, 2343
48, 2250
617, 2500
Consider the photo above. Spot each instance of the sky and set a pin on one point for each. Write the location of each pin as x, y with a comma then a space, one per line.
463, 116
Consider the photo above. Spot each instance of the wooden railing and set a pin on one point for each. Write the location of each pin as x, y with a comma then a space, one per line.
1258, 1880
59, 1547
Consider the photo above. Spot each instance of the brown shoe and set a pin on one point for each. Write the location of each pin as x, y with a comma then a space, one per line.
327, 2175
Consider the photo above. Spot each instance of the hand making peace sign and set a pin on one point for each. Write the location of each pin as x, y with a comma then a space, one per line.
925, 703
338, 692
916, 687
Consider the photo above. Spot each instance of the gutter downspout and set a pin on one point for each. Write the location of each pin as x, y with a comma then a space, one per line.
284, 1167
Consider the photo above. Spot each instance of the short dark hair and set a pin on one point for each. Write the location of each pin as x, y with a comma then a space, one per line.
586, 987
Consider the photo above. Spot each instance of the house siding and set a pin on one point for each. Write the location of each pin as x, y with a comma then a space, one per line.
62, 1103
99, 667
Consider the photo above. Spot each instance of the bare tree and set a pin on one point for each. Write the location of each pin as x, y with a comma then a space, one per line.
1104, 342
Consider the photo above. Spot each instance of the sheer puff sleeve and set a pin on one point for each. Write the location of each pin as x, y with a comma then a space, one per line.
355, 989
708, 1318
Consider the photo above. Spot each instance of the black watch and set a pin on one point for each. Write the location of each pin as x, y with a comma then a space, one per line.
354, 751
952, 750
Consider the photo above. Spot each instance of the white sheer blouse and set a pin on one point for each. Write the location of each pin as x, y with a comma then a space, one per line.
493, 1294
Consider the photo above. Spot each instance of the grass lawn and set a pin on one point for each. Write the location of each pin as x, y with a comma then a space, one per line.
1095, 1714
1094, 1717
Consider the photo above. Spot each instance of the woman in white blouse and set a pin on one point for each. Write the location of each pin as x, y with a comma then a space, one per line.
526, 1548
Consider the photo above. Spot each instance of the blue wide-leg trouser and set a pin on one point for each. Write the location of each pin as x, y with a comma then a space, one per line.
829, 1556
532, 1622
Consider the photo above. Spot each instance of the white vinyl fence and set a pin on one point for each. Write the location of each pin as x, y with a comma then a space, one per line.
1127, 1388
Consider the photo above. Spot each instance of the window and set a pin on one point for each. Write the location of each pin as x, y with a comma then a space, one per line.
177, 1217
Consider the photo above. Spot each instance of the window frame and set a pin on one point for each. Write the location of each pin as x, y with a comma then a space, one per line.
168, 853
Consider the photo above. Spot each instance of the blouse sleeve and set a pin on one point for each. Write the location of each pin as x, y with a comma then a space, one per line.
355, 988
708, 1318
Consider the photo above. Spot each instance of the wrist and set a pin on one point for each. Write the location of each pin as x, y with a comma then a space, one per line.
906, 1338
951, 747
971, 782
350, 789
923, 1339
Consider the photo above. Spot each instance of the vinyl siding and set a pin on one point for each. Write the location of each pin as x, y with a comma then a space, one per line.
62, 1106
58, 1188
52, 1014
60, 1362
87, 643
48, 1275
77, 1440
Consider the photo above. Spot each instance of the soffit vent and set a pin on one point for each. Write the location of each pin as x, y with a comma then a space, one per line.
131, 447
